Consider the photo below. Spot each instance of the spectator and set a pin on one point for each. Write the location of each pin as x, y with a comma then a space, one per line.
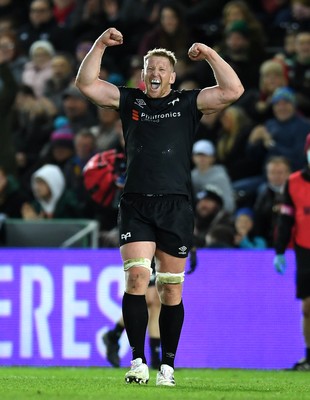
13, 54
296, 15
84, 149
206, 172
245, 237
239, 11
287, 50
170, 33
63, 11
77, 109
107, 132
231, 147
241, 53
7, 96
209, 212
299, 78
32, 125
11, 196
270, 197
60, 146
51, 198
38, 70
43, 26
273, 73
282, 135
238, 51
63, 72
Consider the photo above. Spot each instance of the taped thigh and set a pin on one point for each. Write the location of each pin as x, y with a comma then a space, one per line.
138, 262
168, 277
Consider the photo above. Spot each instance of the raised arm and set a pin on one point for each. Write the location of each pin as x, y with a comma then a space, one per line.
228, 88
100, 92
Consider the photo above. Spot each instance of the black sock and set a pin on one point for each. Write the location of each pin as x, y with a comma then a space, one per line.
117, 331
170, 325
308, 354
136, 317
155, 352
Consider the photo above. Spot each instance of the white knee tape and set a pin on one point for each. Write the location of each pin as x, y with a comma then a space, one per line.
138, 262
168, 277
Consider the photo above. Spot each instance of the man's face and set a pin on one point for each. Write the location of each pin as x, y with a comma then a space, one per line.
40, 12
302, 47
74, 107
158, 76
277, 173
283, 110
206, 207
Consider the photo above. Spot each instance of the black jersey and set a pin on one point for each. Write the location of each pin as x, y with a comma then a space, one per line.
159, 135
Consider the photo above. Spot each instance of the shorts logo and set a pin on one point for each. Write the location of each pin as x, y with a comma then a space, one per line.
125, 236
182, 250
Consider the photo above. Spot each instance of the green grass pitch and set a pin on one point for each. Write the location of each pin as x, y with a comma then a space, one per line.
22, 383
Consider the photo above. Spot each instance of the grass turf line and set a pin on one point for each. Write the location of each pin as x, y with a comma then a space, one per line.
27, 383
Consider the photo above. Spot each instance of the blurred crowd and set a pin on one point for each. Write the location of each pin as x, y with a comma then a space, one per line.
242, 157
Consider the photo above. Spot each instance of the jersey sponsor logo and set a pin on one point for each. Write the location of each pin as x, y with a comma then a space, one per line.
174, 101
125, 236
182, 250
140, 102
136, 116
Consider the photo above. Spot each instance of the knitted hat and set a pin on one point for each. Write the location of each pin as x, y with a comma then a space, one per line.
283, 93
42, 44
62, 137
240, 27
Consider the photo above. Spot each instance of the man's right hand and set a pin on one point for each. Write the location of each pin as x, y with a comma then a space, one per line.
279, 262
111, 37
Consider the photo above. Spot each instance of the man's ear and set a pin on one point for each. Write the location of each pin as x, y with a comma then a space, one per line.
172, 78
142, 75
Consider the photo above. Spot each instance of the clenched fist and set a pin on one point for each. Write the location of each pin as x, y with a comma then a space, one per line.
110, 37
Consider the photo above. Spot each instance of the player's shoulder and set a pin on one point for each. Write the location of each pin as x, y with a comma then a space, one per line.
125, 90
186, 92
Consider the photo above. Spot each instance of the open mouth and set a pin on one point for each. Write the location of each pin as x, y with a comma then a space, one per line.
155, 84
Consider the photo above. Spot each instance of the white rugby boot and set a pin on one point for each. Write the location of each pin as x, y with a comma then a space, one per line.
138, 373
165, 376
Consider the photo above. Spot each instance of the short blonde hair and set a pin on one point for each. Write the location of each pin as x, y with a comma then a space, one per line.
161, 52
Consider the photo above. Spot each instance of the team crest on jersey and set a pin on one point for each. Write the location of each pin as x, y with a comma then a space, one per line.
140, 102
174, 101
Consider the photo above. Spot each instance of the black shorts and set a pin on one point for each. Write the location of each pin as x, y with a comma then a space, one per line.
302, 272
167, 220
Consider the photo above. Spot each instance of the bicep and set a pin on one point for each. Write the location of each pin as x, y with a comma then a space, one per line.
102, 93
212, 99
